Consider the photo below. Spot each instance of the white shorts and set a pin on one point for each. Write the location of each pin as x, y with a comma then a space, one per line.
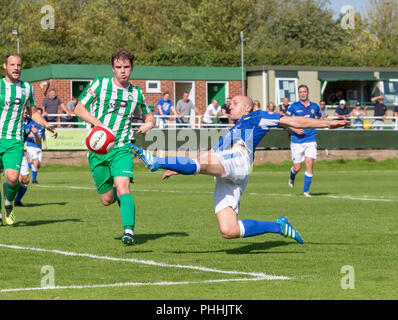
300, 151
24, 171
34, 153
229, 189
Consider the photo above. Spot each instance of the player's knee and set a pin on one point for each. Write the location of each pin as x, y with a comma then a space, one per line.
229, 232
25, 180
106, 201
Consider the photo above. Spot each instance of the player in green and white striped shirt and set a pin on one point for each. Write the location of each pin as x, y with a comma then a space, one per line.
15, 96
111, 102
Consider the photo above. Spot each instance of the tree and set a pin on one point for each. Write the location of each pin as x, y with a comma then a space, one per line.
383, 23
304, 24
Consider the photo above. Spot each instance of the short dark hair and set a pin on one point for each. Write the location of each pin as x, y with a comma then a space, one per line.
304, 86
123, 54
12, 54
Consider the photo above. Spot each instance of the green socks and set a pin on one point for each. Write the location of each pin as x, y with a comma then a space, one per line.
11, 192
127, 211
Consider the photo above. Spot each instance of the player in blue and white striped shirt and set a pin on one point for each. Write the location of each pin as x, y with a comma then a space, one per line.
230, 162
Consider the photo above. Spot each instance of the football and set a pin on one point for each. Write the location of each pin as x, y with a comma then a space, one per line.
100, 140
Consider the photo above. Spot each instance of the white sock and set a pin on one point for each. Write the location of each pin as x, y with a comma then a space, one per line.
129, 231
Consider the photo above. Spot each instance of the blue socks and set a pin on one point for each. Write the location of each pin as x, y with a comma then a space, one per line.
34, 174
292, 174
181, 165
307, 179
307, 182
251, 228
21, 192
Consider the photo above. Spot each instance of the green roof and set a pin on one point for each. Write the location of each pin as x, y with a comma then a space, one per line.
80, 71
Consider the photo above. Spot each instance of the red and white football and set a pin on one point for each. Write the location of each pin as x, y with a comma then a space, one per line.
100, 140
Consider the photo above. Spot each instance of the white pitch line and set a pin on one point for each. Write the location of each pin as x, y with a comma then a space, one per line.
148, 262
129, 284
355, 198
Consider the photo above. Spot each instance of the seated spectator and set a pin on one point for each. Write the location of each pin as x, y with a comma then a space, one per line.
358, 115
323, 109
256, 105
212, 112
164, 107
183, 108
53, 105
271, 107
225, 112
380, 112
395, 114
334, 98
71, 105
284, 106
342, 112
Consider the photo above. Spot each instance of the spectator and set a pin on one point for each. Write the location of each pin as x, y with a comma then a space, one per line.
256, 105
323, 110
358, 115
53, 105
396, 115
225, 112
212, 112
284, 106
271, 107
164, 107
183, 109
71, 105
380, 112
342, 112
336, 97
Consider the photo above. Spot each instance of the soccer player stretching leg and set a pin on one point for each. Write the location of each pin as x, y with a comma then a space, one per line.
230, 162
112, 101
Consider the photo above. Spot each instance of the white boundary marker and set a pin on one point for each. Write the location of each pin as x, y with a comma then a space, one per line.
254, 276
354, 198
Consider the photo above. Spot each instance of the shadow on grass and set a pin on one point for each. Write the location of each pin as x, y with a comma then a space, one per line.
35, 223
143, 238
253, 248
31, 205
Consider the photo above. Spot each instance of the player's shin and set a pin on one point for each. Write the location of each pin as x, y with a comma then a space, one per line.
251, 228
307, 182
11, 193
21, 192
127, 211
182, 165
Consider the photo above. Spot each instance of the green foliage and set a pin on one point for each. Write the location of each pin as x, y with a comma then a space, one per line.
200, 32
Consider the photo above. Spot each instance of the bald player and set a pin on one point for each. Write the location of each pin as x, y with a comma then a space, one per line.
230, 162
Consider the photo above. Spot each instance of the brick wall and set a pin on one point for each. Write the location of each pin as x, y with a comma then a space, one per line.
63, 88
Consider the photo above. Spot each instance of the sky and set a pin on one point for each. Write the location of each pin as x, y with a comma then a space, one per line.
359, 6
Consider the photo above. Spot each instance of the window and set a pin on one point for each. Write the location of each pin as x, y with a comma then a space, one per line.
391, 92
286, 88
153, 86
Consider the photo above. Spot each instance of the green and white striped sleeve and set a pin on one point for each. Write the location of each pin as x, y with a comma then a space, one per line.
90, 93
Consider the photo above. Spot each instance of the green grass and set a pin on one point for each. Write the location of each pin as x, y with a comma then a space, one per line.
351, 220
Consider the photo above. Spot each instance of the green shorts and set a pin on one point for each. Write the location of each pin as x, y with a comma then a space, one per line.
11, 153
105, 168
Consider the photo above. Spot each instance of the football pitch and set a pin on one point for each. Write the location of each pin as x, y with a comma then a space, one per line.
66, 245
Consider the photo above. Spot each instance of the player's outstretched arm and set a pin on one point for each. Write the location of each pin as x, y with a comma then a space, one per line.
309, 123
149, 123
169, 174
82, 113
38, 118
